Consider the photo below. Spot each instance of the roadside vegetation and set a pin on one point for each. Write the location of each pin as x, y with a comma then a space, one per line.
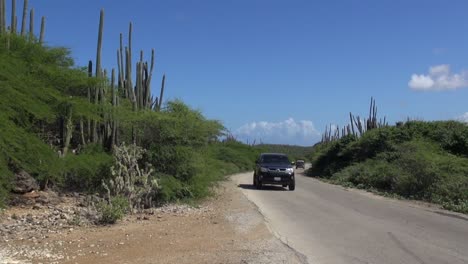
77, 129
415, 159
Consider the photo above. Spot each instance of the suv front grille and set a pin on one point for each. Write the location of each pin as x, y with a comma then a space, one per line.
270, 169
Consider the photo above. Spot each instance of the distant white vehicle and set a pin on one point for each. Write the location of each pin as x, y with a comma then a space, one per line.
300, 164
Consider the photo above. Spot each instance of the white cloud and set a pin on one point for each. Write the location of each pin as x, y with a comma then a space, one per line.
439, 78
464, 117
288, 131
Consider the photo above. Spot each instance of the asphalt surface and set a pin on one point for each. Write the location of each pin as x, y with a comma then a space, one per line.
330, 224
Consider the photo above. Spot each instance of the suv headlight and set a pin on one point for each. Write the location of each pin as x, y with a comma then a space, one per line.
290, 170
263, 169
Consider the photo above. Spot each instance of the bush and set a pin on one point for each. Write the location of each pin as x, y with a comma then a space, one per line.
113, 210
421, 172
172, 190
85, 172
174, 160
375, 173
330, 158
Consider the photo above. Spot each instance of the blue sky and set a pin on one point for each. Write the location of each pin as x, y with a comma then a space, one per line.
280, 71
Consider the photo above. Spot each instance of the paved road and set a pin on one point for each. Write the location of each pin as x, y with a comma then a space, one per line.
329, 224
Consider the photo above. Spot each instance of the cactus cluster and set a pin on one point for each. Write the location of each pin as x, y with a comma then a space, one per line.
140, 93
121, 85
356, 127
13, 27
129, 180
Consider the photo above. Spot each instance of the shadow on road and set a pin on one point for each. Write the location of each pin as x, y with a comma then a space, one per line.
264, 187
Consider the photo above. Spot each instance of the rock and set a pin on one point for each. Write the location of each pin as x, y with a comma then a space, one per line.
24, 183
29, 218
64, 217
49, 197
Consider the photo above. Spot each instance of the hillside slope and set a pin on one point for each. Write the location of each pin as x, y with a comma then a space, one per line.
417, 160
60, 125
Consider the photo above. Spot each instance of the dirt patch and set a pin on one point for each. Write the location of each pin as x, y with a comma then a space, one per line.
224, 229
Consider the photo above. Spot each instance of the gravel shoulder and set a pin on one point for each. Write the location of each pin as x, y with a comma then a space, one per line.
224, 229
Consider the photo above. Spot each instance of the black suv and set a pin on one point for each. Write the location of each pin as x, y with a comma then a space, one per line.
274, 168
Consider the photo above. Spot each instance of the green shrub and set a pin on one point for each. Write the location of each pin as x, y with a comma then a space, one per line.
172, 190
113, 210
85, 172
331, 158
421, 172
373, 173
175, 160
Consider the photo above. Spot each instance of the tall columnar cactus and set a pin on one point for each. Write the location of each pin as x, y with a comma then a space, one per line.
138, 84
121, 65
351, 120
25, 13
113, 122
99, 44
15, 24
2, 17
372, 120
13, 17
31, 24
163, 82
148, 82
120, 74
41, 36
129, 82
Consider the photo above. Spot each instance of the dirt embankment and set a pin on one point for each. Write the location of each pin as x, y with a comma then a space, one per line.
224, 229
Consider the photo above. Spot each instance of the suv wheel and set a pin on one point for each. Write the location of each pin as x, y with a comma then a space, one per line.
292, 186
259, 185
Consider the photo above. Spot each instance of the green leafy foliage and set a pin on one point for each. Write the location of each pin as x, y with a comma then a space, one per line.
113, 210
419, 160
86, 171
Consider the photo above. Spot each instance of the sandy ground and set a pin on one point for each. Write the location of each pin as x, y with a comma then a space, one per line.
224, 229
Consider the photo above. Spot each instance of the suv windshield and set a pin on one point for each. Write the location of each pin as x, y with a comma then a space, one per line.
275, 159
